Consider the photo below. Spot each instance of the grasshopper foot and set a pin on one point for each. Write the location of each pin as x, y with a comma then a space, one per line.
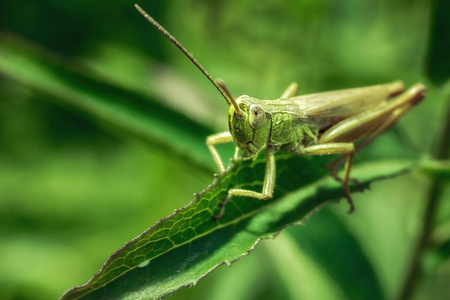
222, 208
350, 202
349, 199
352, 206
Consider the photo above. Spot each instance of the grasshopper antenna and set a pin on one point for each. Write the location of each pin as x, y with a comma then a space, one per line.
219, 84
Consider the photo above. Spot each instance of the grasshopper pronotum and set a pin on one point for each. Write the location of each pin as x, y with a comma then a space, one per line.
315, 124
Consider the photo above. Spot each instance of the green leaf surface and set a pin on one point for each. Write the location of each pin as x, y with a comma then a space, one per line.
183, 248
295, 266
352, 269
78, 88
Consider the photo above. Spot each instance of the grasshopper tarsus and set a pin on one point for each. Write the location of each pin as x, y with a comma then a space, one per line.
221, 211
222, 205
317, 124
352, 205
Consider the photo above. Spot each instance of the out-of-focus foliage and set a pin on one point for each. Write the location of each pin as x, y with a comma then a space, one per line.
438, 60
74, 188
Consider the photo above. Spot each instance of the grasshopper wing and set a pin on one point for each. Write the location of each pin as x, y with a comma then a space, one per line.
326, 109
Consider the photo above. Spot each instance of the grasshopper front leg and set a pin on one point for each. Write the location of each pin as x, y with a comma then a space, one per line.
268, 185
218, 138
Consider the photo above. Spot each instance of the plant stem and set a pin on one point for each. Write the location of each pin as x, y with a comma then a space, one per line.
434, 195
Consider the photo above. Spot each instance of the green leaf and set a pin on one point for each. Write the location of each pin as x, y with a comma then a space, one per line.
120, 108
295, 266
183, 248
352, 271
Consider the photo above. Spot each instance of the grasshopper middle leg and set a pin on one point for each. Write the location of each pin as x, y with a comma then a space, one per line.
268, 185
290, 91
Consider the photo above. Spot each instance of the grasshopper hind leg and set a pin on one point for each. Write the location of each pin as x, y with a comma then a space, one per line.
366, 126
348, 151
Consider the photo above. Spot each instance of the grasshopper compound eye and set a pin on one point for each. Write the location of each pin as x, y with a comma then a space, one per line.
257, 116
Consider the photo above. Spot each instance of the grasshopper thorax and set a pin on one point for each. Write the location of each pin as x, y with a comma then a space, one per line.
251, 129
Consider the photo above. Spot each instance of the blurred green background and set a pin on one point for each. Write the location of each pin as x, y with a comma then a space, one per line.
75, 188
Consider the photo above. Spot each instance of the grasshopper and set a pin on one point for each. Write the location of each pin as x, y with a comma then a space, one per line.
324, 123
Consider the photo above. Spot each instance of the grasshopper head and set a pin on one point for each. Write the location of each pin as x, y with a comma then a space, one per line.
250, 127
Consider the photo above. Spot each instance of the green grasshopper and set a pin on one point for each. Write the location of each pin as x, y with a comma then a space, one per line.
316, 124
